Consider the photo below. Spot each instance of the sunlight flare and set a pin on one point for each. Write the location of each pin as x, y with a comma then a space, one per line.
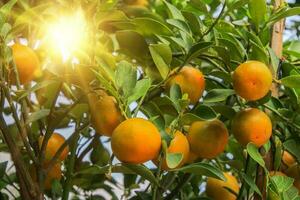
67, 35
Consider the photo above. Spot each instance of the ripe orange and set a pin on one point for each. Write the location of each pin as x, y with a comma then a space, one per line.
105, 114
192, 157
179, 144
27, 63
53, 174
288, 159
216, 189
252, 125
294, 172
54, 143
191, 81
276, 173
252, 80
136, 141
208, 138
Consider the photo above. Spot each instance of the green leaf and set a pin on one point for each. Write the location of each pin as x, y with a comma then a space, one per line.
251, 183
140, 90
255, 155
197, 50
196, 7
78, 110
5, 29
257, 9
291, 194
36, 87
189, 118
204, 169
277, 154
217, 95
205, 112
224, 110
173, 159
133, 44
274, 59
151, 27
174, 12
233, 48
151, 110
283, 14
175, 92
162, 57
181, 25
224, 54
282, 183
56, 187
38, 115
193, 21
142, 171
125, 77
166, 105
6, 8
292, 81
95, 169
258, 53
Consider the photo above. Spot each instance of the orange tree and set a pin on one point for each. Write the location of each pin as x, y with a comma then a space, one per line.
137, 99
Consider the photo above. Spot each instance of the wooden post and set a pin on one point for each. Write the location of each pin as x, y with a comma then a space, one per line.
277, 43
277, 46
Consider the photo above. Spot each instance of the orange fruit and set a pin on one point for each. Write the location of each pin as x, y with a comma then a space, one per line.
27, 63
192, 157
288, 159
136, 140
252, 80
191, 81
252, 125
53, 174
216, 189
294, 172
179, 144
208, 138
276, 173
105, 114
54, 143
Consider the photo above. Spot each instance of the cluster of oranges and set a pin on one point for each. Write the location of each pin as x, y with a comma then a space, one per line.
205, 139
138, 140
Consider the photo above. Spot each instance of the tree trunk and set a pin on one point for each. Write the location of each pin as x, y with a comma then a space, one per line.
28, 189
